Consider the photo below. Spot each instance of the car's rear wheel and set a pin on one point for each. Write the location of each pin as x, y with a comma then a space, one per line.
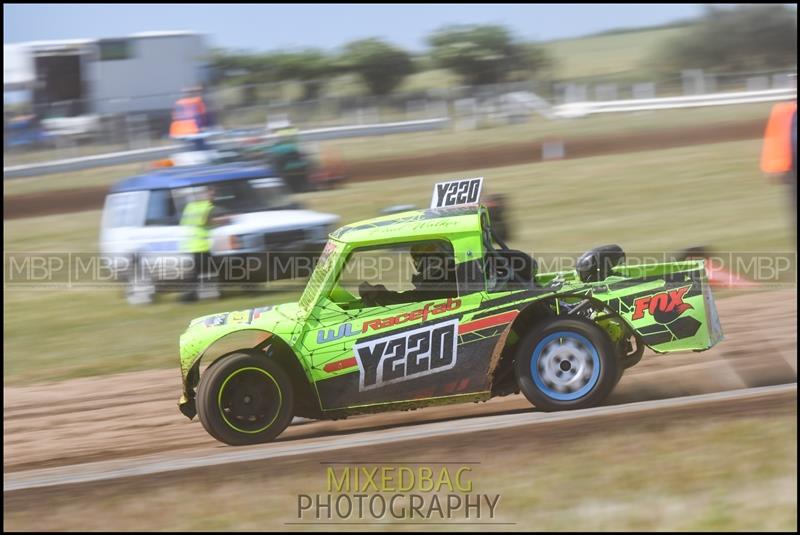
245, 399
566, 363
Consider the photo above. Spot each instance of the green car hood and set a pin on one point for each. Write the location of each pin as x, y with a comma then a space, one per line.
205, 331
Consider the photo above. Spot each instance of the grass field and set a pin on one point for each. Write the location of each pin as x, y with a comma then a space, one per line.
399, 145
98, 146
661, 200
701, 474
101, 176
539, 128
623, 55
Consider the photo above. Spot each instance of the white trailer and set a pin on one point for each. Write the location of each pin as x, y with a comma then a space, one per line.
140, 73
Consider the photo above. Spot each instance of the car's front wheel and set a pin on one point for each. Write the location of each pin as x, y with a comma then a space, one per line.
566, 363
245, 399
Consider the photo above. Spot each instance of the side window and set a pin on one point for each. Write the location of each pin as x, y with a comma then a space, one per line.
115, 49
124, 209
405, 273
181, 197
161, 208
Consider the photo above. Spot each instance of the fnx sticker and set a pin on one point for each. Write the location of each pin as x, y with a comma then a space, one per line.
664, 306
407, 355
457, 192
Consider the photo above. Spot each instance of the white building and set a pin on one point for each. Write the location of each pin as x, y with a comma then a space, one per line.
143, 72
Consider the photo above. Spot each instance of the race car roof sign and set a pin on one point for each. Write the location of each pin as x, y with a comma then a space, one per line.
457, 192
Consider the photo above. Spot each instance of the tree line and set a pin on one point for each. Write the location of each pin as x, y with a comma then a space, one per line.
479, 54
722, 40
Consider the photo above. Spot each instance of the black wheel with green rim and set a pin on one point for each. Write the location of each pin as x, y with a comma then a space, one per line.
245, 399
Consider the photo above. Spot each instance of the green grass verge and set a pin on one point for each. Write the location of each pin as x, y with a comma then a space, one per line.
100, 176
626, 55
426, 143
702, 474
650, 201
98, 146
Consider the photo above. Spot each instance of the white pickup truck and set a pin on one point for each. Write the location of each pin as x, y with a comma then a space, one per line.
257, 227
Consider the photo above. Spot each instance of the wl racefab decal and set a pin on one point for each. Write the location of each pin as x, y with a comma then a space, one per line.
407, 355
429, 309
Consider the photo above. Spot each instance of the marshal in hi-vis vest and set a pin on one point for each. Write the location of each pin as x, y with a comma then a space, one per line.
196, 215
187, 117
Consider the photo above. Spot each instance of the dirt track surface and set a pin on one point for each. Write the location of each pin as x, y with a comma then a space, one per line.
531, 151
119, 416
76, 200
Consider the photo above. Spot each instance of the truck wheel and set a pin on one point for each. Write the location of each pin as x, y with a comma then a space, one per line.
140, 289
245, 399
566, 364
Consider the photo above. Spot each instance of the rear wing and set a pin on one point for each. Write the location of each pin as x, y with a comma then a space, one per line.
669, 305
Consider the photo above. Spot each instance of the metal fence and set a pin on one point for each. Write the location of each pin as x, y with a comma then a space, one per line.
53, 132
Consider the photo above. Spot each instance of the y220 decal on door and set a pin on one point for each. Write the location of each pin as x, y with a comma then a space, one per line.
407, 355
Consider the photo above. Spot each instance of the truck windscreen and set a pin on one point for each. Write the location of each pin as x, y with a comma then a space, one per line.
254, 195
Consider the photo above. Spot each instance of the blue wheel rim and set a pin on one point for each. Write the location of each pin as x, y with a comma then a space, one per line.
547, 353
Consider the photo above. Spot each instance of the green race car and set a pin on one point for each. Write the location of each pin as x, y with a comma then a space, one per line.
457, 317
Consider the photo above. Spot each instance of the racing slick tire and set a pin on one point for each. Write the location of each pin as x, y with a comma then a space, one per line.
566, 363
245, 399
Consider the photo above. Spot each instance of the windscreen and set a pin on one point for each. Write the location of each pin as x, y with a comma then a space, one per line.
255, 195
243, 196
321, 272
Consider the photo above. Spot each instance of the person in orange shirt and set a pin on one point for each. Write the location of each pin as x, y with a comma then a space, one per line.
189, 115
779, 152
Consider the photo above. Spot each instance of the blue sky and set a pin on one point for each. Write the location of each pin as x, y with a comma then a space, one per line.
267, 27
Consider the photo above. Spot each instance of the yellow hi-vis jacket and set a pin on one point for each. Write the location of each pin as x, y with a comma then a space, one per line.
196, 215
